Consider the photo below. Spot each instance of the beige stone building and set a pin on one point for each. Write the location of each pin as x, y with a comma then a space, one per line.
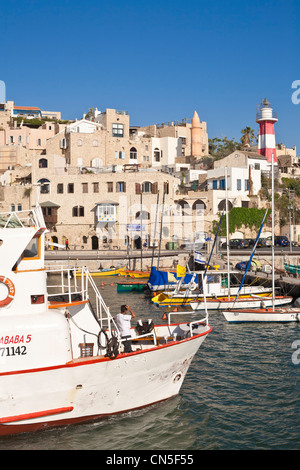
100, 210
98, 187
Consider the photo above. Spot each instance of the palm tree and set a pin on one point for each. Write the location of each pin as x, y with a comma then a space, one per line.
248, 136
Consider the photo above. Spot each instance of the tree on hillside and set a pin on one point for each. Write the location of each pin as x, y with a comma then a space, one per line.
248, 137
220, 148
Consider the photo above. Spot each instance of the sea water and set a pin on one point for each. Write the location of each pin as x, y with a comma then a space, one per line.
242, 391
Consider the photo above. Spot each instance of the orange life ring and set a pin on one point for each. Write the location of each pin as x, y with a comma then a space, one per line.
11, 291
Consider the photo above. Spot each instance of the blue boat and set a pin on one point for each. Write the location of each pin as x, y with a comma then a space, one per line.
163, 280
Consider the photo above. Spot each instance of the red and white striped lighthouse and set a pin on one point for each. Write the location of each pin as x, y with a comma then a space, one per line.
266, 119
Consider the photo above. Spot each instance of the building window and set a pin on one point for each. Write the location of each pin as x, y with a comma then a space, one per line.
60, 188
78, 211
121, 187
118, 130
45, 186
222, 184
19, 207
39, 142
110, 186
11, 139
215, 184
71, 188
156, 155
12, 208
133, 153
43, 163
246, 185
147, 187
96, 187
84, 187
19, 139
95, 143
257, 166
79, 143
239, 185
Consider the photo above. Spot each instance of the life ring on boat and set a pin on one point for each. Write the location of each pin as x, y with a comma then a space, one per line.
11, 291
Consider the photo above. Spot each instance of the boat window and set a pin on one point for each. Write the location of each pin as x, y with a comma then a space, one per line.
32, 249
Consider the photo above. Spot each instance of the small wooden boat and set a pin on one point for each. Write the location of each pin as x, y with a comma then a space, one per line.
133, 286
135, 274
104, 272
292, 268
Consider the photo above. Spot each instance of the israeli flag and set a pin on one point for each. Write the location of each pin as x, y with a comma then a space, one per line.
198, 257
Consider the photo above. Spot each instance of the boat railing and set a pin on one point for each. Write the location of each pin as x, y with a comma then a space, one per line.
74, 284
68, 286
102, 311
20, 219
203, 320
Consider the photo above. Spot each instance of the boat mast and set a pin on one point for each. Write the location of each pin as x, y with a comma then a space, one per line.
141, 230
273, 237
227, 228
154, 236
161, 227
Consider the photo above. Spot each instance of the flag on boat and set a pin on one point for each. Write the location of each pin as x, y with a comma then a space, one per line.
180, 271
198, 257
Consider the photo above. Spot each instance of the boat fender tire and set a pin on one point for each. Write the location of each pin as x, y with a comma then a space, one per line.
11, 291
111, 345
112, 348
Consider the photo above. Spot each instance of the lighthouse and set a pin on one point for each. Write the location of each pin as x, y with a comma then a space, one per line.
266, 119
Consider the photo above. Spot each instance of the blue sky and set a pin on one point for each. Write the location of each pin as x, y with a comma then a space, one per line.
160, 60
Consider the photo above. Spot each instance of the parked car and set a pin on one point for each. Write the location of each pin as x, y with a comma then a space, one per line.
281, 241
251, 241
263, 242
236, 243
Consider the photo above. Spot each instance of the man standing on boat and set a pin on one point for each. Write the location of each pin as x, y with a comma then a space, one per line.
123, 323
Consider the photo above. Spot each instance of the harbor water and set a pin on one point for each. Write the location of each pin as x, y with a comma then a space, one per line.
242, 391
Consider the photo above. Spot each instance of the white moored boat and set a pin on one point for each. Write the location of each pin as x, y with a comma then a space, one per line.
61, 360
281, 314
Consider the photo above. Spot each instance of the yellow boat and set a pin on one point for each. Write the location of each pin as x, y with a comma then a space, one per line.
135, 274
104, 272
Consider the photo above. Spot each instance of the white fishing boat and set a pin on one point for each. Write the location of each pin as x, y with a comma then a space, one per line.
62, 359
214, 288
251, 302
280, 314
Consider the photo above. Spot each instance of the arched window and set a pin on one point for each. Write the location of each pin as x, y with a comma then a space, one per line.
43, 163
95, 143
199, 205
184, 207
147, 187
144, 215
45, 186
133, 153
79, 143
156, 155
222, 205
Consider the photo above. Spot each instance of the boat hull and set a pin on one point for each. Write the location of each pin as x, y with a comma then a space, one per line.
93, 388
240, 303
130, 287
104, 273
263, 315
